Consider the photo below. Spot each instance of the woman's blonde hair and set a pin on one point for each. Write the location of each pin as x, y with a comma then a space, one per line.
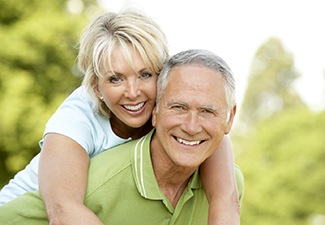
127, 28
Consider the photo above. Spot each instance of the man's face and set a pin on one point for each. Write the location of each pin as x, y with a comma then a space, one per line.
191, 118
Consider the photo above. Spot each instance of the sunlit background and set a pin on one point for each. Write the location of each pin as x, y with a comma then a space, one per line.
276, 50
236, 29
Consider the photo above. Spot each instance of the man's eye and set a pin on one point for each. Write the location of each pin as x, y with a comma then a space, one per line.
178, 107
208, 112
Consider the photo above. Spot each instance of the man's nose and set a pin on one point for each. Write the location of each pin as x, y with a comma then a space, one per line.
191, 123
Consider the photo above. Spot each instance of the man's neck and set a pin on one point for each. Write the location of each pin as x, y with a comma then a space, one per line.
172, 179
172, 186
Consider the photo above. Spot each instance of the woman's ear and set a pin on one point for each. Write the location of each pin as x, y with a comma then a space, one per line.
96, 91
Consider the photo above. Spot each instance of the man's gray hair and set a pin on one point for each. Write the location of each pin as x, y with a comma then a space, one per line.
202, 58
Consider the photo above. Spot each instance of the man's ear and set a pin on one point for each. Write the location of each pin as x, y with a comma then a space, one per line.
231, 119
154, 117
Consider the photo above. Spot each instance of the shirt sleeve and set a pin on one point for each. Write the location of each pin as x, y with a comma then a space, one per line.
240, 183
75, 118
27, 209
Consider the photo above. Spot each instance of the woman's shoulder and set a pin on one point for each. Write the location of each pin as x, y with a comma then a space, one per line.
80, 95
79, 101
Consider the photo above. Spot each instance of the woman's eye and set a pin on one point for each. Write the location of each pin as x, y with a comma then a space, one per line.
114, 79
145, 75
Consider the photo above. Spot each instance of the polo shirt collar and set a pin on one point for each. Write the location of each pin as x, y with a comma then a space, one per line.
144, 175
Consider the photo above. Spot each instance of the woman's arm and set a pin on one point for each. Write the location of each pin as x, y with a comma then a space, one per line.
219, 182
63, 171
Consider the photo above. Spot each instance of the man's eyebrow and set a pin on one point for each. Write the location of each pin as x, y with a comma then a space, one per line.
205, 107
175, 101
209, 107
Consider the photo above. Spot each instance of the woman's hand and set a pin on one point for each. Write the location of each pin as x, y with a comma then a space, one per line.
219, 182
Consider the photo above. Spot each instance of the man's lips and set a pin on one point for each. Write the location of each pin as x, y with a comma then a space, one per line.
188, 142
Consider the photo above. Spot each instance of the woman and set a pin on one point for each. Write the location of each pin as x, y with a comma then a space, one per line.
120, 56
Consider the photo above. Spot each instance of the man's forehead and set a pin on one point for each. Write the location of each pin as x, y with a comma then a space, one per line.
195, 72
195, 85
189, 78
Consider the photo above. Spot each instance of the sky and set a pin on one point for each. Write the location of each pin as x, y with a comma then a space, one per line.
235, 29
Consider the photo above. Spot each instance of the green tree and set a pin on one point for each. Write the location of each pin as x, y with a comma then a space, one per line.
284, 167
279, 145
37, 64
270, 85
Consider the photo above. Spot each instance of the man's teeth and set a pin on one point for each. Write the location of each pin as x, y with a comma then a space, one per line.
134, 107
188, 142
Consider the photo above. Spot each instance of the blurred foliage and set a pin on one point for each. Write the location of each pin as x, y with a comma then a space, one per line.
279, 145
270, 86
283, 161
282, 153
37, 71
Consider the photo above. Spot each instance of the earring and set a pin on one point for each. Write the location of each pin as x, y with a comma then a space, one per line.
101, 98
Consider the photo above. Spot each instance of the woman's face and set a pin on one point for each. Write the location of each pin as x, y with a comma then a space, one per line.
128, 91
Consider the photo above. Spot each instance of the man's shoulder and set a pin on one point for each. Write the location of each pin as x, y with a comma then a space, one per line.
110, 166
113, 157
116, 162
122, 152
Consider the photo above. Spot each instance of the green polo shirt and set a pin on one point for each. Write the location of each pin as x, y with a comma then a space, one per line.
122, 189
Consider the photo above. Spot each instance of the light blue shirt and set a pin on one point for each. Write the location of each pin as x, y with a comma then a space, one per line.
78, 119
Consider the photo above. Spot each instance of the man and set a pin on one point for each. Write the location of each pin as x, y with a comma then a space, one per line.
155, 180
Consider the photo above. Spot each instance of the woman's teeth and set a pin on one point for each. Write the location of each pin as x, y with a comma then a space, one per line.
134, 107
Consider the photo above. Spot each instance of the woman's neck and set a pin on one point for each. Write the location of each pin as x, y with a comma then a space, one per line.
124, 131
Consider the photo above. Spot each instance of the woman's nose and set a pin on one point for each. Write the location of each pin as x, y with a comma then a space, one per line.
132, 90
